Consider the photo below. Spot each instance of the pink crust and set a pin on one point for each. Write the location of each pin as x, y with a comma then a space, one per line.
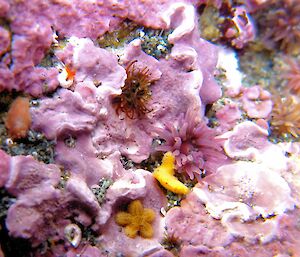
246, 140
190, 224
4, 167
38, 201
217, 220
4, 40
162, 253
96, 65
25, 174
88, 20
227, 116
253, 188
257, 102
90, 168
194, 145
34, 215
84, 251
255, 5
89, 108
4, 8
67, 111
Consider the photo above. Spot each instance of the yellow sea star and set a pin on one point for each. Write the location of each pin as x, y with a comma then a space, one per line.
165, 175
136, 220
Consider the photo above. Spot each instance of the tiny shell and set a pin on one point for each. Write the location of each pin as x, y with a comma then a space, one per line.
73, 234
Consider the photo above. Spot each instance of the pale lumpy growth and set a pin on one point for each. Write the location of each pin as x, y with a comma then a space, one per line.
18, 118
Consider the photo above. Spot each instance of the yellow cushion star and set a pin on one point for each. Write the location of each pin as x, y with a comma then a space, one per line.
136, 220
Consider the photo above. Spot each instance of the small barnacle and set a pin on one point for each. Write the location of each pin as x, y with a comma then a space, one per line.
137, 220
285, 117
73, 234
66, 76
135, 93
70, 141
18, 120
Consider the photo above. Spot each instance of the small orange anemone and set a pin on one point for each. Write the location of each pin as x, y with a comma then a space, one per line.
285, 117
292, 75
70, 73
135, 93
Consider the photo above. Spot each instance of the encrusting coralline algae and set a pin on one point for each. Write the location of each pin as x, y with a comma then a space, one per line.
159, 94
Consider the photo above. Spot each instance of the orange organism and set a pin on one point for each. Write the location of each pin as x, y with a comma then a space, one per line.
292, 75
285, 118
18, 118
137, 220
70, 73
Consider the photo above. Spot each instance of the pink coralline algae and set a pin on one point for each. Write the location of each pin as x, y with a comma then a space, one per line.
228, 116
257, 102
246, 140
57, 112
5, 41
245, 182
194, 145
205, 230
244, 203
89, 168
254, 101
4, 168
32, 39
